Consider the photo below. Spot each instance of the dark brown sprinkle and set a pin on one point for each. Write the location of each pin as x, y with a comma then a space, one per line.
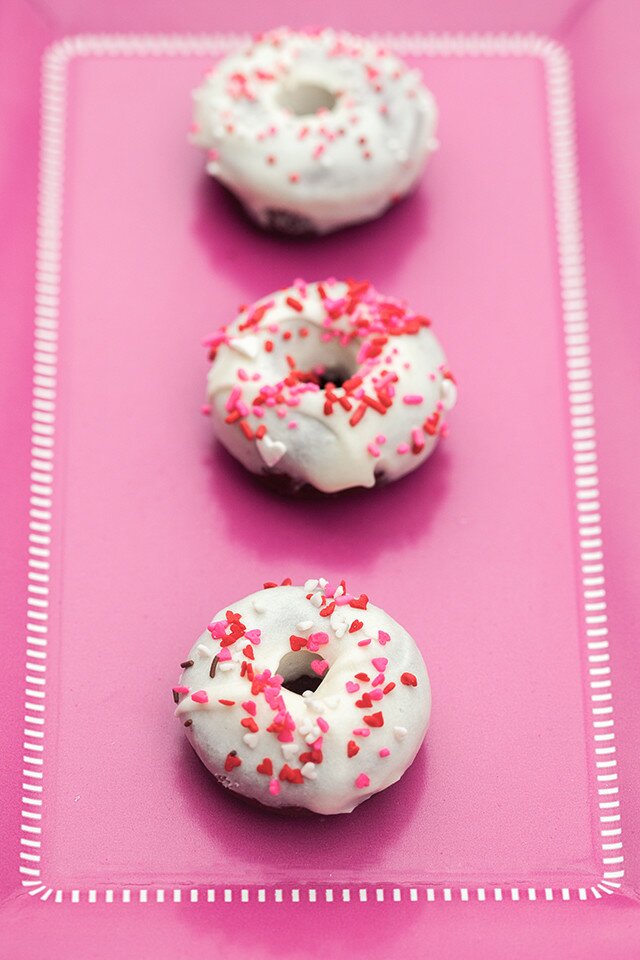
212, 668
233, 753
176, 696
188, 723
186, 663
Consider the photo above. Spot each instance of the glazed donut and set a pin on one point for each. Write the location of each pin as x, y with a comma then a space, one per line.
350, 734
313, 131
331, 384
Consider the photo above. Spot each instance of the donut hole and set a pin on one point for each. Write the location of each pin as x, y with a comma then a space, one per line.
333, 375
299, 675
304, 99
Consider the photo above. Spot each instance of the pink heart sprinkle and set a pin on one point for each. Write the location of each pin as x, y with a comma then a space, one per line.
200, 696
380, 663
377, 680
225, 654
253, 636
384, 752
250, 707
362, 780
274, 787
322, 723
217, 629
383, 637
376, 694
361, 732
181, 689
364, 643
351, 686
319, 666
318, 638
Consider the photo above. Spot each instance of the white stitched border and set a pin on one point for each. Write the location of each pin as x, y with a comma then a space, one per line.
583, 432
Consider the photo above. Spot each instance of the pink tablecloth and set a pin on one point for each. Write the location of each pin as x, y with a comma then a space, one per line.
601, 38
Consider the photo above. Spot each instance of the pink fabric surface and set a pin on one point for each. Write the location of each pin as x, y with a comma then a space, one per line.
601, 41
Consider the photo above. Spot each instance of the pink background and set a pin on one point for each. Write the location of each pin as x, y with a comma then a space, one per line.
611, 246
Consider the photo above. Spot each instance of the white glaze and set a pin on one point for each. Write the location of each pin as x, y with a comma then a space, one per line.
327, 450
330, 785
332, 168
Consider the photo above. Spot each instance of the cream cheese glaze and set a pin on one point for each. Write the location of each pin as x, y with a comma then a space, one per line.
330, 383
325, 750
314, 130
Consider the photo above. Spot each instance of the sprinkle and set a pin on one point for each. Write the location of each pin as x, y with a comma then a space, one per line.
304, 625
232, 761
399, 732
380, 663
251, 740
362, 676
374, 720
274, 788
384, 752
383, 637
377, 681
403, 448
351, 686
188, 723
355, 626
292, 774
309, 771
289, 750
294, 177
203, 651
362, 781
265, 767
186, 663
227, 703
212, 668
294, 304
322, 723
409, 680
389, 687
319, 666
253, 636
361, 732
200, 696
205, 409
352, 748
250, 707
413, 399
373, 450
364, 643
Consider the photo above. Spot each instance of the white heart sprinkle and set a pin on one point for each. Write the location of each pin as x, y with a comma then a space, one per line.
316, 599
259, 606
251, 740
448, 393
317, 705
307, 693
202, 651
323, 582
339, 591
399, 732
304, 729
312, 737
340, 631
309, 771
270, 450
304, 625
247, 346
310, 585
225, 666
289, 750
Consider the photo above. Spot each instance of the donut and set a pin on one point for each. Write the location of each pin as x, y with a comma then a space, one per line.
330, 384
305, 697
314, 130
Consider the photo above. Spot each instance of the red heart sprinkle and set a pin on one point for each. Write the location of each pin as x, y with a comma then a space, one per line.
292, 774
409, 680
352, 748
248, 652
250, 724
297, 643
265, 767
355, 626
231, 762
374, 720
365, 701
363, 677
361, 602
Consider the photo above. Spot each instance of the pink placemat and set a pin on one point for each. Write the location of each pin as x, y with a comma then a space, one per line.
500, 603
